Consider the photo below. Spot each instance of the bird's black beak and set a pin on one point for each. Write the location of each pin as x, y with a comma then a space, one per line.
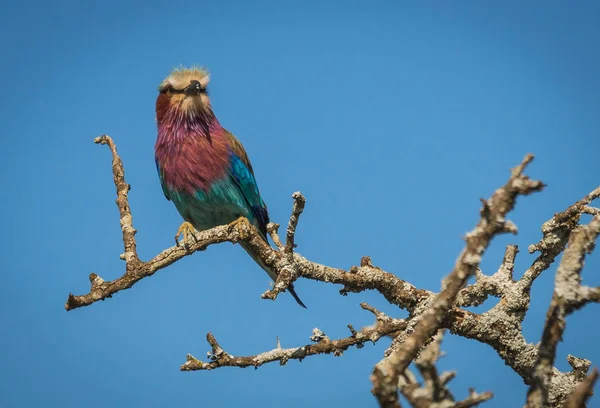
193, 89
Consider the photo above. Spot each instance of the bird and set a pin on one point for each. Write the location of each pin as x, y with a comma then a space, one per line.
203, 168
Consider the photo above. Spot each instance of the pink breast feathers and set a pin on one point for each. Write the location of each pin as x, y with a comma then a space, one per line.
189, 159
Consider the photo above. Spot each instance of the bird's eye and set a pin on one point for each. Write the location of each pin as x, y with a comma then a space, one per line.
166, 89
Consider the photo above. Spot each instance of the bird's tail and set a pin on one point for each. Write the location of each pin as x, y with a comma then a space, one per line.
272, 273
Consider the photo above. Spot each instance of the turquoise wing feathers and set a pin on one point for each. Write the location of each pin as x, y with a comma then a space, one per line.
242, 175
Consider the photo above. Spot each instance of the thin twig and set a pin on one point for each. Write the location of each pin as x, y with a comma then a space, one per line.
273, 229
323, 345
130, 255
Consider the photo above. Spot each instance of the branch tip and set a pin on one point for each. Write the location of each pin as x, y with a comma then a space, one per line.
297, 209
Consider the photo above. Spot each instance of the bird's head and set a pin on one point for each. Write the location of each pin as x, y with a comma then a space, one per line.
185, 90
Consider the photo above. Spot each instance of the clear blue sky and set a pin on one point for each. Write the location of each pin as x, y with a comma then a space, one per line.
393, 119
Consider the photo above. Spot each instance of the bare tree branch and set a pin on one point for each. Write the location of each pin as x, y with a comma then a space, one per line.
499, 327
288, 270
492, 222
323, 345
568, 296
396, 290
299, 202
590, 210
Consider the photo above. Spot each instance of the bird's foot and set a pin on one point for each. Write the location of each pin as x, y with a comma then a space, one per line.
188, 230
243, 227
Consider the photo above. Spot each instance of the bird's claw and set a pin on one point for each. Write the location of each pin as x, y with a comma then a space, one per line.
188, 230
243, 227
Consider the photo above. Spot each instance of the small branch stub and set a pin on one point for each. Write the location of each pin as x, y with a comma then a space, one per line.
297, 209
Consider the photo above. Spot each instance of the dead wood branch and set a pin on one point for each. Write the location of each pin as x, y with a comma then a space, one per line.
492, 222
569, 295
323, 345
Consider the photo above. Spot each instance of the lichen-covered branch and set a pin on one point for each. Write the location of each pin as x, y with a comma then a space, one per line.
499, 327
569, 295
322, 345
492, 222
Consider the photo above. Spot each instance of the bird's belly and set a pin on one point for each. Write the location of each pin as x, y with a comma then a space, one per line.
218, 206
208, 215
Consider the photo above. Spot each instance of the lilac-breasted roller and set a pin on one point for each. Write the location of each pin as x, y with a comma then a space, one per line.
203, 168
